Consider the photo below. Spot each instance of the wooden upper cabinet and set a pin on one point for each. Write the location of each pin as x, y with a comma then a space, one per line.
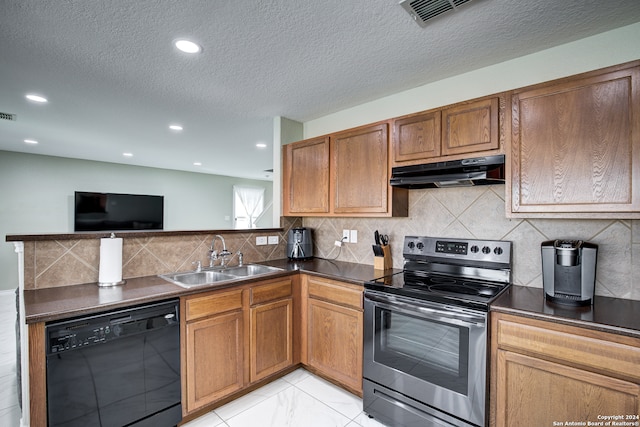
342, 174
417, 137
470, 127
306, 177
575, 148
361, 170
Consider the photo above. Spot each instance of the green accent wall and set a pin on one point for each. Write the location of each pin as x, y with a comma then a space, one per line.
37, 196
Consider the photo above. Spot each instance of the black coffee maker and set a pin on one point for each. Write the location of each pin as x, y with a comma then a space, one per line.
569, 271
300, 244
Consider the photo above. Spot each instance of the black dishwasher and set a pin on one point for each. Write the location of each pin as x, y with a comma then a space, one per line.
115, 369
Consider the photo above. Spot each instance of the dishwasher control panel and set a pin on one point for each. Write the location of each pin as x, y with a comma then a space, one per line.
75, 334
69, 339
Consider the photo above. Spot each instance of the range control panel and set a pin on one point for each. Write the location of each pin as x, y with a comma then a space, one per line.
494, 251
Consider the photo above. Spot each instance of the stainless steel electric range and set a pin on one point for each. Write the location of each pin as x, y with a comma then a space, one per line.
425, 332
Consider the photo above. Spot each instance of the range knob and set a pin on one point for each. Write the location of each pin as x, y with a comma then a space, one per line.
411, 245
475, 249
486, 250
420, 245
498, 250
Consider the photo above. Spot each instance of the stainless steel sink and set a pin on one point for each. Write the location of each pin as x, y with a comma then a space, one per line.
218, 276
197, 278
250, 270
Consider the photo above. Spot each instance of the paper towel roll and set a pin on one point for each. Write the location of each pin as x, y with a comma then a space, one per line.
110, 272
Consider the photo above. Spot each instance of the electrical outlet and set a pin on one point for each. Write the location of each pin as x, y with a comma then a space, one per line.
262, 240
273, 240
345, 236
354, 236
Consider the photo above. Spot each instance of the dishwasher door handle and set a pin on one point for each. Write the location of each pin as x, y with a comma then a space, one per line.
120, 320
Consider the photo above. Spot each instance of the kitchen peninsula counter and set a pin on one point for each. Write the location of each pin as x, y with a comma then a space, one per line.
47, 304
614, 315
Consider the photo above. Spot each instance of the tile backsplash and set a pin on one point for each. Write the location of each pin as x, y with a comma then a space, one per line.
464, 212
53, 263
478, 213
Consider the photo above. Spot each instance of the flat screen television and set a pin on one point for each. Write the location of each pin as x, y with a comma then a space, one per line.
117, 212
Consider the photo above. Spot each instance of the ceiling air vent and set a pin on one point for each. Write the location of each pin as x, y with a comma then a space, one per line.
8, 116
424, 10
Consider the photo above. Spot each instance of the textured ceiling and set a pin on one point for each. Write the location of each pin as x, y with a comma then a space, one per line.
115, 82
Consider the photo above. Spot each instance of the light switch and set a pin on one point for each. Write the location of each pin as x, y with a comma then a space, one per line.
273, 240
354, 236
262, 240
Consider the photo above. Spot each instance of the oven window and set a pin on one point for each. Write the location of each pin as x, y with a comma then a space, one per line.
432, 351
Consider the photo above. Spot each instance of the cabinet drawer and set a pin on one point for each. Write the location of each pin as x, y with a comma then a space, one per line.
334, 292
271, 291
596, 351
203, 306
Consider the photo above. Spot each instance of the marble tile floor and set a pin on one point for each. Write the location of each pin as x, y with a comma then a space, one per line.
9, 408
295, 400
299, 399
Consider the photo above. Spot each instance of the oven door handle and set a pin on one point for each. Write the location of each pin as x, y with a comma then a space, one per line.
453, 316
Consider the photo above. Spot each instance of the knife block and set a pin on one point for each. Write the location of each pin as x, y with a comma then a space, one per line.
383, 262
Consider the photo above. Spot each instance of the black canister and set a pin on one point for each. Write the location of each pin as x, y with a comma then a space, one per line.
300, 244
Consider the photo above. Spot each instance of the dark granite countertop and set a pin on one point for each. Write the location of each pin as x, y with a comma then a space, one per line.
42, 305
344, 271
616, 315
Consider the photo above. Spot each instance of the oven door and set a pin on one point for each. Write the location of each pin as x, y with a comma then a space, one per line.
431, 352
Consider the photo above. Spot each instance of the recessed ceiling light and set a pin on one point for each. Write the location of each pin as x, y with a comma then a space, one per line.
30, 141
127, 154
175, 127
197, 164
187, 46
36, 98
261, 145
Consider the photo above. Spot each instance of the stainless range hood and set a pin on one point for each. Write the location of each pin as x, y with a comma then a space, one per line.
453, 173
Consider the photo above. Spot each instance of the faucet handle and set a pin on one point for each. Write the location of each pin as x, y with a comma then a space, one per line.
240, 259
198, 265
223, 256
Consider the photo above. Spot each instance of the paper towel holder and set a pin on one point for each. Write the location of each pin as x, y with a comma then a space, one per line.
115, 283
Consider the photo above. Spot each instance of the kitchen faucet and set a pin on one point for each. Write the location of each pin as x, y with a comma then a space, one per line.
214, 255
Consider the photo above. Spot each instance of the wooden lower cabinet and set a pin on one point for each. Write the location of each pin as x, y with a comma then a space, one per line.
271, 329
232, 339
333, 338
544, 372
212, 348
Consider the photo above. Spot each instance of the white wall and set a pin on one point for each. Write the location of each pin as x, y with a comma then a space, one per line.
599, 51
285, 131
36, 196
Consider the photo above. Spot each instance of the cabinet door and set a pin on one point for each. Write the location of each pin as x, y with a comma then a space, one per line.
271, 338
544, 371
360, 165
306, 177
334, 342
576, 146
535, 392
417, 137
470, 127
214, 365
